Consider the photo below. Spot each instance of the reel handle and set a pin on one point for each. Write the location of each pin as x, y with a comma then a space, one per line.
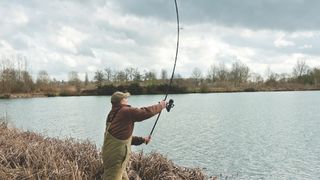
170, 105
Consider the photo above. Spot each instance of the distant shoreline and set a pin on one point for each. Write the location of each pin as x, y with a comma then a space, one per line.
99, 93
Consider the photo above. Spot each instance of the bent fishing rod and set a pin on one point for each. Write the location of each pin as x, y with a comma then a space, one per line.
170, 104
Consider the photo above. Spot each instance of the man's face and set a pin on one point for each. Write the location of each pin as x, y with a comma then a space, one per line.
124, 101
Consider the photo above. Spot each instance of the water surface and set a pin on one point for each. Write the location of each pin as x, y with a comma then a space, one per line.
266, 135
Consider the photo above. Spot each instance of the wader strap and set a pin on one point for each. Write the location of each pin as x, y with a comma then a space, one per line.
108, 124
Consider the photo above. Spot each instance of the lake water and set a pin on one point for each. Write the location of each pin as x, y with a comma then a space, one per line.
265, 135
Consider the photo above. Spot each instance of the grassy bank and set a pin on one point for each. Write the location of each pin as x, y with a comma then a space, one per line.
28, 155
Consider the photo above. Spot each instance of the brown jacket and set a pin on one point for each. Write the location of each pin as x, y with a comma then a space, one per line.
123, 117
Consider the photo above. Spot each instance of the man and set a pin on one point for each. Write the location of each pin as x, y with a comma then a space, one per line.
118, 135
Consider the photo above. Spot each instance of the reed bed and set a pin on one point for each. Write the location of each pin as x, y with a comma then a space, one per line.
28, 155
155, 166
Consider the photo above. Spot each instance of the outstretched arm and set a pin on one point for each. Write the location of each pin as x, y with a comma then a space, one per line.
140, 114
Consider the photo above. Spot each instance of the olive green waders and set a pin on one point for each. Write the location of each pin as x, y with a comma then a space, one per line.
115, 156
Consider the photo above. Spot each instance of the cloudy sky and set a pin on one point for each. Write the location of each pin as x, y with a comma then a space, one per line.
60, 36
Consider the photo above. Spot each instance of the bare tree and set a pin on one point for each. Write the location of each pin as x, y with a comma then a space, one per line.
316, 76
14, 77
222, 72
256, 78
98, 77
239, 73
212, 74
196, 75
150, 76
43, 80
26, 77
137, 76
268, 72
129, 73
218, 73
8, 75
300, 69
74, 80
284, 77
108, 74
121, 77
164, 74
86, 80
73, 77
272, 79
43, 77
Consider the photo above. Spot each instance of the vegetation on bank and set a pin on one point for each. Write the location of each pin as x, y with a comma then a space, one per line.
16, 81
27, 155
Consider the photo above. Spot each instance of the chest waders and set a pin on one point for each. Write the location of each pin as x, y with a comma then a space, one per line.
115, 155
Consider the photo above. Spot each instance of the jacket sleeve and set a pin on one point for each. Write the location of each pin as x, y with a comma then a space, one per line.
140, 114
137, 140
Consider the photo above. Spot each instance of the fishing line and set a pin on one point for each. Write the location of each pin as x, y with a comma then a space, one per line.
170, 105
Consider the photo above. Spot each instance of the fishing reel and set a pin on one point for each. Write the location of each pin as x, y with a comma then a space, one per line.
170, 105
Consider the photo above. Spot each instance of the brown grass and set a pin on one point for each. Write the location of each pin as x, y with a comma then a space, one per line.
27, 155
156, 166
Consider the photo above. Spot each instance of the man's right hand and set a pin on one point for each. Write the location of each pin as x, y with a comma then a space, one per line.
163, 104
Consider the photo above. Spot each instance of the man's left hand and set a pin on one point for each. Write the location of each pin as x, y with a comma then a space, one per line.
147, 139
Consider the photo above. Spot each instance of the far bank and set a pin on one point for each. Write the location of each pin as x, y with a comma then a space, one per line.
136, 89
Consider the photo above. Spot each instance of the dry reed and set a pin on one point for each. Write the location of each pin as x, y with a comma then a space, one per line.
28, 155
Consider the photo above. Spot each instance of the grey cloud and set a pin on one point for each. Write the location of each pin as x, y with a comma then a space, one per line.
46, 19
288, 15
162, 9
139, 46
19, 42
85, 51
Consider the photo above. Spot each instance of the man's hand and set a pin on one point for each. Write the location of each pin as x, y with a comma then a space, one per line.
163, 104
147, 139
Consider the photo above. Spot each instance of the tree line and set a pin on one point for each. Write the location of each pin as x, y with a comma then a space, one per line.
218, 77
15, 78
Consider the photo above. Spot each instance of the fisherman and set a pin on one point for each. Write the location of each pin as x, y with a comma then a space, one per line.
118, 135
